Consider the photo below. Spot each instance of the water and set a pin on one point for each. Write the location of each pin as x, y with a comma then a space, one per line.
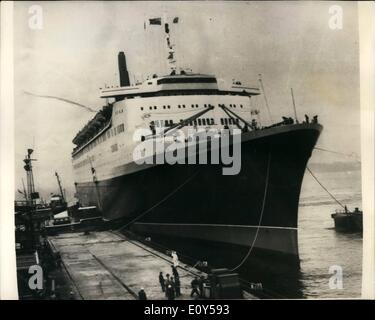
320, 245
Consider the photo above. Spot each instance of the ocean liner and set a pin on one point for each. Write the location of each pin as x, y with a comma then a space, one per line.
194, 203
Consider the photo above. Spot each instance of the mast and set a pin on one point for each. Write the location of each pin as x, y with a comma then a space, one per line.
164, 23
31, 194
170, 45
265, 97
60, 188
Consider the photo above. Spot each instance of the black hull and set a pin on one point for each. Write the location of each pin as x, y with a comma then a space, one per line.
199, 203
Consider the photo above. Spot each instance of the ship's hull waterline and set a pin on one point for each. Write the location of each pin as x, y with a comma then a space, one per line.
256, 208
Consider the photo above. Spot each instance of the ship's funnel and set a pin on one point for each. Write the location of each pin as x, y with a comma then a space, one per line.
123, 71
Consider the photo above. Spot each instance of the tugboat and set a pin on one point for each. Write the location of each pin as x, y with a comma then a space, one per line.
345, 220
348, 221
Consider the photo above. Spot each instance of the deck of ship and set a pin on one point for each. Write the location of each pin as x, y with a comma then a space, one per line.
107, 265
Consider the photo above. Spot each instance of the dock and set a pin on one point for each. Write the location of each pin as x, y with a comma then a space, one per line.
107, 265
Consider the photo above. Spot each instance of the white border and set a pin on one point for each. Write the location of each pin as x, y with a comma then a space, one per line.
8, 267
366, 23
8, 274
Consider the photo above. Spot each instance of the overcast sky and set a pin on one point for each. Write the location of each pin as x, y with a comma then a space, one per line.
75, 53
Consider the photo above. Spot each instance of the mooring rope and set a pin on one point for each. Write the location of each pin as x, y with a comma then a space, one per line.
317, 180
260, 217
265, 98
351, 155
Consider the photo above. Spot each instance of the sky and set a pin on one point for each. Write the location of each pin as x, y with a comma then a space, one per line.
75, 53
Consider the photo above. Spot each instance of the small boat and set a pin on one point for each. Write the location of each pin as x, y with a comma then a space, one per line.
348, 221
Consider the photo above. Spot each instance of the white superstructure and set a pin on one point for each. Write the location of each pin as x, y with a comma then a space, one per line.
158, 102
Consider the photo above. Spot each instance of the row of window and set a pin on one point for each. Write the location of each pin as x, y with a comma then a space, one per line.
110, 133
196, 122
183, 106
187, 80
169, 123
202, 122
235, 106
226, 121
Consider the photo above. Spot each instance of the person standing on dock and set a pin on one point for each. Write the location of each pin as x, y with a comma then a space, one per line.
173, 284
142, 294
71, 295
166, 284
175, 259
162, 281
175, 272
201, 282
168, 280
170, 292
194, 286
177, 286
176, 281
